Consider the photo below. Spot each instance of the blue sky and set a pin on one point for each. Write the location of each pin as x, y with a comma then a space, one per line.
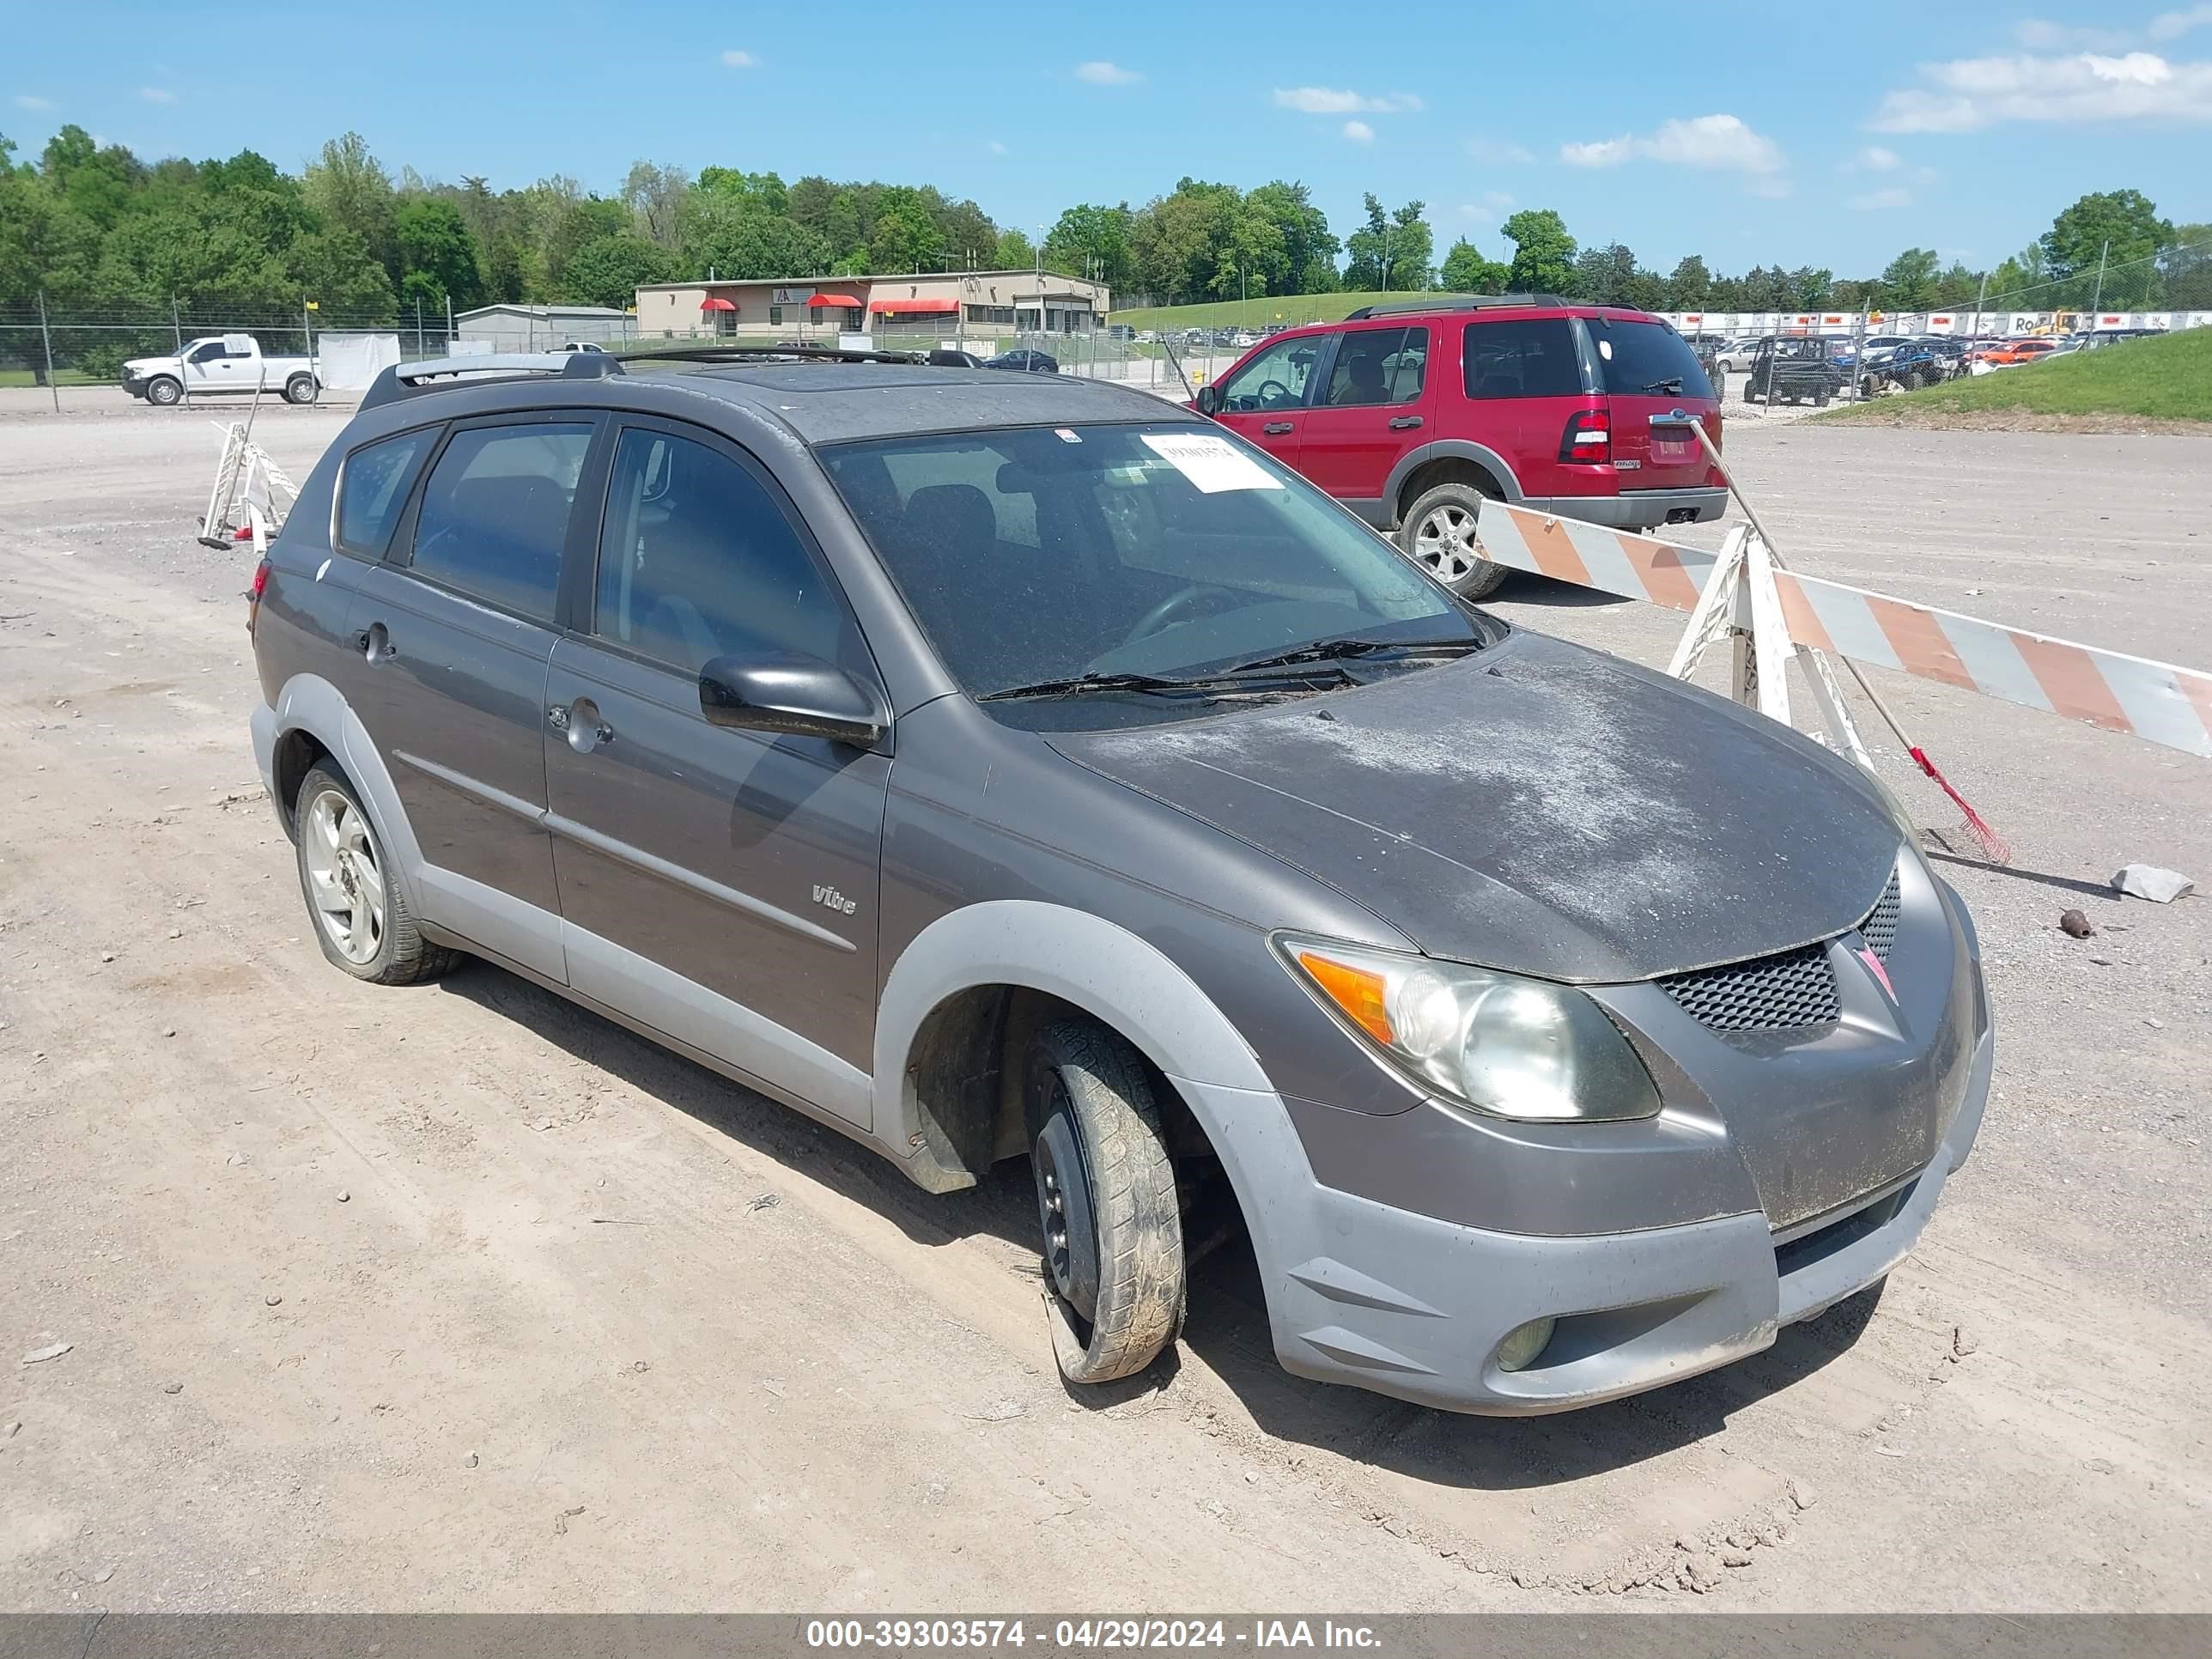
1719, 129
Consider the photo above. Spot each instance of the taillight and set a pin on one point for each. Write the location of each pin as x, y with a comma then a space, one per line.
253, 596
1589, 437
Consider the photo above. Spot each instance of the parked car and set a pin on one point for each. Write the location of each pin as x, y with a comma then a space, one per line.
1024, 361
2105, 336
221, 365
1875, 347
1736, 355
579, 345
1581, 410
2011, 352
1909, 366
952, 357
1794, 369
1033, 771
1119, 331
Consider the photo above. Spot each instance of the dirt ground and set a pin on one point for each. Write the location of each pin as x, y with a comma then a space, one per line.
459, 1298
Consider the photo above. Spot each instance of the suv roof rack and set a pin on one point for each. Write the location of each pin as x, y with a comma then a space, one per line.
405, 379
1460, 302
737, 354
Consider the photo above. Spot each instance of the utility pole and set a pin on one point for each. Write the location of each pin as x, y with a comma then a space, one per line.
177, 327
46, 335
1980, 294
2099, 300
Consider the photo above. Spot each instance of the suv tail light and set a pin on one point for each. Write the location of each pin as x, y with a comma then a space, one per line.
253, 596
1589, 437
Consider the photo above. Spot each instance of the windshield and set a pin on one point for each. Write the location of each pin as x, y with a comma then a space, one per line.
1036, 555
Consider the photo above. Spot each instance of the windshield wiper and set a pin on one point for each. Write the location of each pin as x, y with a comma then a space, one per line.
1333, 650
1082, 684
1673, 383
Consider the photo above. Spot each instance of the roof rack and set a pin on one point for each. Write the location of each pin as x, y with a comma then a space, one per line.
737, 354
1460, 302
405, 379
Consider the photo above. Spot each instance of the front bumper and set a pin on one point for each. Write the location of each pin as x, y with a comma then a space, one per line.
1636, 509
136, 383
1403, 1304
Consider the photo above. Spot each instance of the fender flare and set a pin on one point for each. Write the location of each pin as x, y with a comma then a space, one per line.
1448, 449
1130, 984
312, 704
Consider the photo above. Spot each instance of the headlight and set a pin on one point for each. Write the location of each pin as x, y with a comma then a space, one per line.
1510, 1047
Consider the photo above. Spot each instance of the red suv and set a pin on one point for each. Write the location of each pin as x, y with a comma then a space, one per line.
1409, 414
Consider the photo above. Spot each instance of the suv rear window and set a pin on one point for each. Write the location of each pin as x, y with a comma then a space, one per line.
1637, 359
1529, 359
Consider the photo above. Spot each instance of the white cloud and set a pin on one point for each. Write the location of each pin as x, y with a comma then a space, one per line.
1359, 132
1100, 73
1494, 152
1874, 159
738, 60
1971, 93
1872, 200
997, 148
2172, 25
157, 94
1720, 142
1329, 100
25, 100
1492, 204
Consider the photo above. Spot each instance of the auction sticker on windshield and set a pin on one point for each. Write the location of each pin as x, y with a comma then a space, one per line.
1212, 464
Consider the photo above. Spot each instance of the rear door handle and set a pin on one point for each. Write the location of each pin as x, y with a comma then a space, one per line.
1276, 426
1405, 422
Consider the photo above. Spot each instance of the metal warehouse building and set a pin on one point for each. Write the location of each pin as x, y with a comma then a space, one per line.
1027, 301
540, 328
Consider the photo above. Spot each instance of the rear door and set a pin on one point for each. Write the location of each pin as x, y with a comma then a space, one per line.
1371, 412
1264, 398
456, 630
1523, 382
1655, 388
719, 885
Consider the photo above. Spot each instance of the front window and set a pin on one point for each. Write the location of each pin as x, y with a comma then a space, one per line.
1036, 556
1276, 379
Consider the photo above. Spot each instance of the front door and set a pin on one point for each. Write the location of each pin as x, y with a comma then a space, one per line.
719, 885
1371, 413
455, 633
1264, 398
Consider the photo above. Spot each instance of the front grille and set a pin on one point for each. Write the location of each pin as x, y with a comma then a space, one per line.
1782, 992
1878, 930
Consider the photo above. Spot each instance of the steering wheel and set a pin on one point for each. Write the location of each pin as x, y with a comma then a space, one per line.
1170, 609
1270, 394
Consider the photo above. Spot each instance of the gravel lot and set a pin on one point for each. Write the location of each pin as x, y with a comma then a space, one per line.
459, 1297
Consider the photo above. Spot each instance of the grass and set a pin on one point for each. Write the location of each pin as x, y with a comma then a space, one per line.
1258, 313
62, 376
2162, 380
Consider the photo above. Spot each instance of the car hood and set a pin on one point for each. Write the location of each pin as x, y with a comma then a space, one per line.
1538, 808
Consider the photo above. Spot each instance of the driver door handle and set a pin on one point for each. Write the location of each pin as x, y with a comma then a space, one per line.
1405, 422
1275, 426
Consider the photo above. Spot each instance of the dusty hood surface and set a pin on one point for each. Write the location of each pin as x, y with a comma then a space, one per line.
1538, 808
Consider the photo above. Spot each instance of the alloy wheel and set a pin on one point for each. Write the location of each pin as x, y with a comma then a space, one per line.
345, 878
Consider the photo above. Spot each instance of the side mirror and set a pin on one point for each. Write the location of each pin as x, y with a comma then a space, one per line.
1209, 400
795, 696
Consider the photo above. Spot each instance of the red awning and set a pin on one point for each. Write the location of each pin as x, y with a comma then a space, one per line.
850, 301
712, 303
933, 307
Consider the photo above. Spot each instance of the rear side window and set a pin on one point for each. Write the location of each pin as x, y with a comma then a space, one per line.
373, 488
1378, 366
1646, 359
496, 513
1531, 359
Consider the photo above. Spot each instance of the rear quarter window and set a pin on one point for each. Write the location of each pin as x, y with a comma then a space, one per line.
1530, 358
373, 487
1641, 359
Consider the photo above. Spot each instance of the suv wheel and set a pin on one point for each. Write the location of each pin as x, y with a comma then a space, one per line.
1439, 535
300, 389
362, 918
1112, 1233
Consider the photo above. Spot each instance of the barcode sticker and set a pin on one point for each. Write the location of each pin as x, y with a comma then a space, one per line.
1212, 463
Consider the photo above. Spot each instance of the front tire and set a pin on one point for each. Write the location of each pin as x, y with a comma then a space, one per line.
360, 915
1111, 1229
300, 389
1438, 534
163, 392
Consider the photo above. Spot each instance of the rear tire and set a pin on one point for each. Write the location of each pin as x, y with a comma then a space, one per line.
1820, 398
1112, 1232
300, 389
355, 901
1438, 534
163, 392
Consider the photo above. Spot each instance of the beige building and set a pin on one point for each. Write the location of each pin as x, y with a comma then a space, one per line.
953, 303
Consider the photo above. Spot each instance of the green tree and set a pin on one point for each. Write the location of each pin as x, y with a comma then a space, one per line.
350, 191
1604, 276
1908, 281
1014, 251
2122, 220
1543, 253
45, 245
904, 237
1177, 242
2185, 269
1688, 287
99, 185
1466, 272
1393, 250
440, 261
1092, 241
657, 195
1309, 248
736, 241
609, 271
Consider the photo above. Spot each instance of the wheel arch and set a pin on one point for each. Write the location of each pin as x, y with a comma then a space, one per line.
953, 1004
1424, 468
311, 719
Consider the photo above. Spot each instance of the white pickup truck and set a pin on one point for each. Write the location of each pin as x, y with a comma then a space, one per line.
221, 364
